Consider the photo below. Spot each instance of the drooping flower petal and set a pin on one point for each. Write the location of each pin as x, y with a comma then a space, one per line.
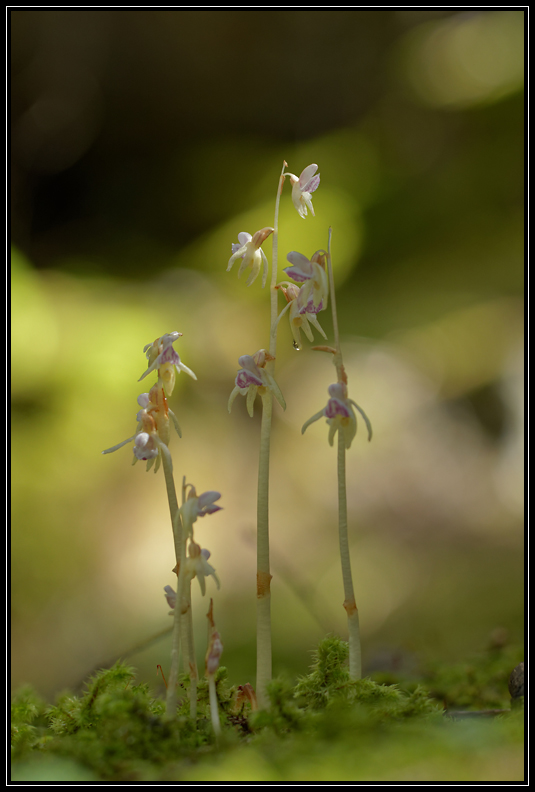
302, 187
250, 251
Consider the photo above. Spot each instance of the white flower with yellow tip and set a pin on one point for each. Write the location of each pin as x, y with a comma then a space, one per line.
249, 249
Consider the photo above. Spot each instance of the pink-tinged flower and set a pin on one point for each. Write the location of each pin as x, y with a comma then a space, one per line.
161, 355
302, 188
302, 314
311, 273
197, 566
340, 415
198, 506
248, 248
152, 434
253, 378
170, 596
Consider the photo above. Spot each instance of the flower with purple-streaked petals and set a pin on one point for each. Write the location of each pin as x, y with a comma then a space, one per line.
302, 314
253, 378
249, 249
340, 415
302, 187
161, 355
311, 273
198, 506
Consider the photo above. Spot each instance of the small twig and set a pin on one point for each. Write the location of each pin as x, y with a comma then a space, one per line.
158, 666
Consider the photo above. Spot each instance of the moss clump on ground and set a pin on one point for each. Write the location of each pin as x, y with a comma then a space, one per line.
326, 727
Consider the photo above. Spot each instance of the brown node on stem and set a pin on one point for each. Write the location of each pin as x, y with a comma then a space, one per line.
263, 580
351, 607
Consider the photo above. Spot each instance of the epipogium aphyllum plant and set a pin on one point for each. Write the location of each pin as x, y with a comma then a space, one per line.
341, 419
256, 375
151, 441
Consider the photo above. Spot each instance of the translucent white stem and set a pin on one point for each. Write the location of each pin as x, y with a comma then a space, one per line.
355, 663
214, 711
188, 652
171, 698
180, 554
263, 575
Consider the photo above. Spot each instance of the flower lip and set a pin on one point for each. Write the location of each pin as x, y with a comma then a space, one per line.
244, 379
337, 407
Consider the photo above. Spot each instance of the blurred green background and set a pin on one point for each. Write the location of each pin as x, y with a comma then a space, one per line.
142, 143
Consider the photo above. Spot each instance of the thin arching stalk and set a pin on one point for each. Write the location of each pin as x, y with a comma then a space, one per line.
180, 552
355, 662
263, 574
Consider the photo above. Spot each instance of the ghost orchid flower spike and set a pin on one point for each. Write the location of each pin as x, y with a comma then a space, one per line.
302, 187
253, 378
340, 415
161, 355
249, 249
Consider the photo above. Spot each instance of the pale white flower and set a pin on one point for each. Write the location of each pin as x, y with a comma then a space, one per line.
248, 248
302, 187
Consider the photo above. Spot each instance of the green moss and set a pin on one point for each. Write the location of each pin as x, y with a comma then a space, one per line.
326, 727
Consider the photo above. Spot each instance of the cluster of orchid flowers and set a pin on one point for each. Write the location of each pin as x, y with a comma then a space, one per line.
196, 564
305, 298
304, 301
152, 435
151, 441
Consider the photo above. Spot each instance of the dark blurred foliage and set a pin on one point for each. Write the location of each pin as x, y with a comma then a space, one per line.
141, 140
111, 110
